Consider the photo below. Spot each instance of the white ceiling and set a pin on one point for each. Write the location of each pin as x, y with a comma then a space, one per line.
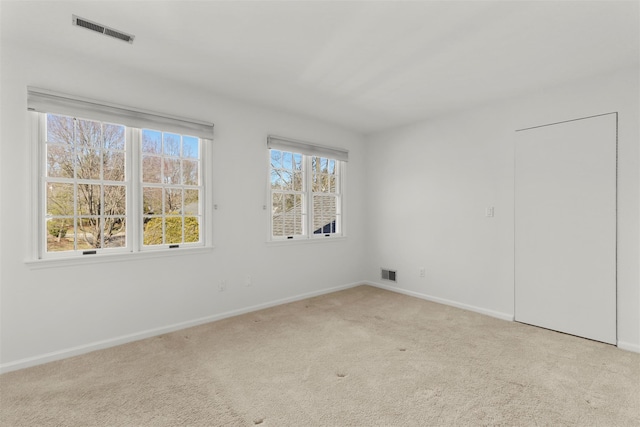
364, 65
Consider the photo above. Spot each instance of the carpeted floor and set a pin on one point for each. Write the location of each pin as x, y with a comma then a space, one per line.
360, 357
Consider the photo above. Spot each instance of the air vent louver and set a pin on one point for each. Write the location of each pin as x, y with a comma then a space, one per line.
98, 28
389, 275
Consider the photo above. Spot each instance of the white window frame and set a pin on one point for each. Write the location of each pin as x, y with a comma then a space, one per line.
339, 169
308, 151
42, 102
163, 185
44, 180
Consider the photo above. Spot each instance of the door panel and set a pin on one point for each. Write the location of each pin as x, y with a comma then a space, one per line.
565, 227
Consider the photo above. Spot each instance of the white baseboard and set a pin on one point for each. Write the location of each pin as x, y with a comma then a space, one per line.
504, 316
492, 313
99, 345
112, 342
629, 346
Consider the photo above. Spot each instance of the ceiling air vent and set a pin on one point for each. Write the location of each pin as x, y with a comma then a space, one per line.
99, 28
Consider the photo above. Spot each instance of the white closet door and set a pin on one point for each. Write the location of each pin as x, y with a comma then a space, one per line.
565, 227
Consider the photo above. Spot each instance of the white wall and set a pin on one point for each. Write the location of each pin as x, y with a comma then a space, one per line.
429, 184
55, 312
416, 198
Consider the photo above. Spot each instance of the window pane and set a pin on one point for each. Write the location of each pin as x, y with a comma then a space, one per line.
60, 161
171, 171
113, 136
291, 215
89, 233
113, 165
288, 224
88, 163
297, 161
275, 180
60, 199
89, 133
152, 201
115, 200
191, 202
289, 202
324, 164
60, 234
277, 217
115, 233
332, 166
324, 213
277, 202
278, 226
152, 233
151, 169
287, 160
297, 215
191, 229
60, 129
172, 201
190, 173
190, 147
171, 144
317, 183
151, 141
332, 183
276, 159
88, 199
298, 183
173, 230
286, 180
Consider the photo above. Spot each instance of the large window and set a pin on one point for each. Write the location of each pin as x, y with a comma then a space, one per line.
305, 188
118, 181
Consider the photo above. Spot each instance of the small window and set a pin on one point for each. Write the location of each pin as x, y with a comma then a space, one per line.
305, 190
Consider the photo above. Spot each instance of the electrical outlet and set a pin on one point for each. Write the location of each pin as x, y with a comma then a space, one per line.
423, 271
223, 286
249, 282
489, 212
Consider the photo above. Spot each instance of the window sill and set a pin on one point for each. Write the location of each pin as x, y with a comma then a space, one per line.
306, 241
109, 258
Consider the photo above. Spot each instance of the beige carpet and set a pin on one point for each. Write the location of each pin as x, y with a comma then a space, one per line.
360, 357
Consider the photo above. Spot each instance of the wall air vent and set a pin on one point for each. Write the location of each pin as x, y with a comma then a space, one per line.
99, 28
389, 275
